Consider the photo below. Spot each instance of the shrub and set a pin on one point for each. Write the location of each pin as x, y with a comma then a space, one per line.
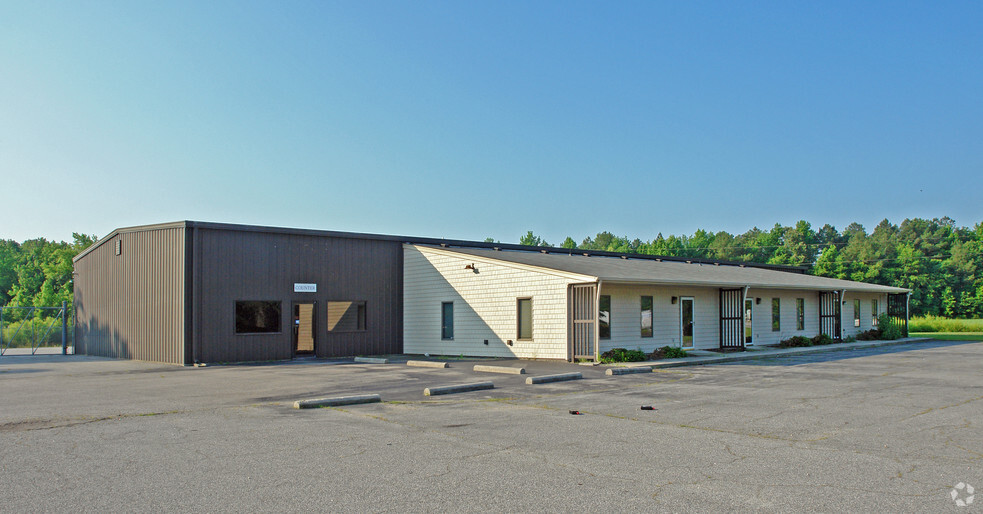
889, 330
795, 342
850, 339
622, 355
668, 352
869, 335
822, 339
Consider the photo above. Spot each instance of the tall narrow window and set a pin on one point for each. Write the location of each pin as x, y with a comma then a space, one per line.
800, 314
346, 316
604, 316
646, 316
524, 316
856, 313
257, 317
447, 320
873, 312
776, 314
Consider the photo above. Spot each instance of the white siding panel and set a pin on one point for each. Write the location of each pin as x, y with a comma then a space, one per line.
626, 310
484, 306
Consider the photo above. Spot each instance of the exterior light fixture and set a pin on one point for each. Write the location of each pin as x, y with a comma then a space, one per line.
674, 300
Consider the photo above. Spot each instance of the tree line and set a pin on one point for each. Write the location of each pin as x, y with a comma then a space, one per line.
38, 272
937, 260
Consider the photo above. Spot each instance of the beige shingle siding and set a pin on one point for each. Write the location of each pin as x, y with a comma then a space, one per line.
484, 306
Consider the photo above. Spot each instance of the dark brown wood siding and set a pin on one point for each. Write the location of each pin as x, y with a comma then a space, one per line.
233, 265
131, 305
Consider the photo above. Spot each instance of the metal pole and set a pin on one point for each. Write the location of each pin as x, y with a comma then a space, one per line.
64, 329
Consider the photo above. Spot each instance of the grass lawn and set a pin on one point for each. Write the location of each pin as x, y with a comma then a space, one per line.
950, 336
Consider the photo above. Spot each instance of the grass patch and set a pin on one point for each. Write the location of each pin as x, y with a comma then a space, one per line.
922, 324
950, 336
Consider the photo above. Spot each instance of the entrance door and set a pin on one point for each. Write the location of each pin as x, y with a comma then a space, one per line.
686, 321
748, 325
582, 318
304, 328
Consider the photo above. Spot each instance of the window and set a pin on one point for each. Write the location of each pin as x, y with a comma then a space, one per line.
646, 316
873, 312
604, 316
776, 314
447, 320
856, 313
257, 317
800, 314
524, 318
346, 316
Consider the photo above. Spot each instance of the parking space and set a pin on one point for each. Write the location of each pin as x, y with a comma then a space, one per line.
891, 429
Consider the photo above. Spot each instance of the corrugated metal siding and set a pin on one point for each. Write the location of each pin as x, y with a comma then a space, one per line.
131, 305
232, 265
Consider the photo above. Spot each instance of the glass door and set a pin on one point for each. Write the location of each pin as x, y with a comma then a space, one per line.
686, 322
748, 325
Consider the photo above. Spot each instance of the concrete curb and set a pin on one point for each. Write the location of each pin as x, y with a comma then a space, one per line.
427, 364
627, 370
785, 352
460, 388
500, 369
333, 402
554, 378
371, 360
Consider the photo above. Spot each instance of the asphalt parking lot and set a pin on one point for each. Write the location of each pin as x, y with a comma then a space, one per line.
892, 428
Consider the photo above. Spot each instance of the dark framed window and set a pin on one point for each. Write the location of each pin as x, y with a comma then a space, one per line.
873, 312
604, 316
856, 313
257, 317
524, 318
776, 314
646, 316
800, 314
346, 316
447, 320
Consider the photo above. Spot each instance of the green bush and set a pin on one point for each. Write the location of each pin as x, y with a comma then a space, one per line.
889, 330
822, 339
795, 342
869, 335
940, 324
622, 355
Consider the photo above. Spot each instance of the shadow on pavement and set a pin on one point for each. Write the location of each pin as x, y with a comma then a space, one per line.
843, 354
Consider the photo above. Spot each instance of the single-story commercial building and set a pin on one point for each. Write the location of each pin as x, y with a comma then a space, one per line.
190, 292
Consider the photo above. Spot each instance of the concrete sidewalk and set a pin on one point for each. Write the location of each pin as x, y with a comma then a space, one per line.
699, 357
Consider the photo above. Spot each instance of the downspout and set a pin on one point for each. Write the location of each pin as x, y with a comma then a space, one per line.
842, 303
744, 319
597, 323
907, 313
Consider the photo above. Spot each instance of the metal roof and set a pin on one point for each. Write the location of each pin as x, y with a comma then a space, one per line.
407, 240
625, 269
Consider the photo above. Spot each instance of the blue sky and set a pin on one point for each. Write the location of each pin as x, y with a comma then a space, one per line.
487, 119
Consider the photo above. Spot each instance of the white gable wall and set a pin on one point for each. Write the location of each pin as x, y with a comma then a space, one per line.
484, 305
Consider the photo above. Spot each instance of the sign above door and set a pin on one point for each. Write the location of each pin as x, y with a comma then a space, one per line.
305, 288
